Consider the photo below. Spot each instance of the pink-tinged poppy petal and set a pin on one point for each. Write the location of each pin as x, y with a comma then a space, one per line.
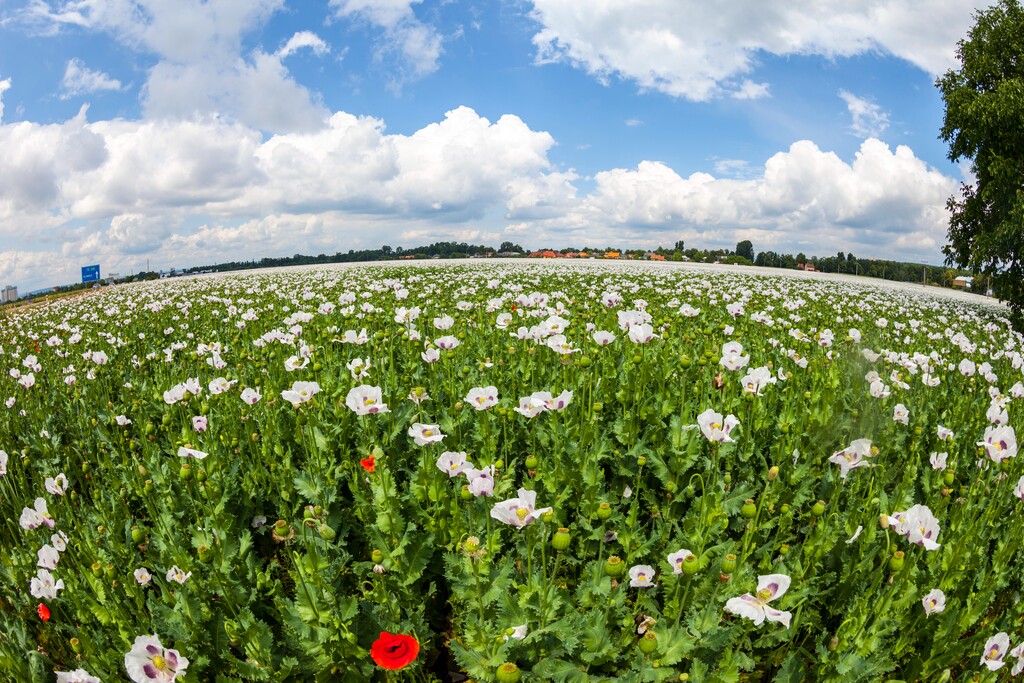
746, 606
778, 616
776, 584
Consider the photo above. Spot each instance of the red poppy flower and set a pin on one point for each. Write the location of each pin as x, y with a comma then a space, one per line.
43, 611
367, 464
394, 651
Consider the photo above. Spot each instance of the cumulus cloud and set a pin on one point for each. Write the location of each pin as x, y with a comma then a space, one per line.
804, 199
81, 80
417, 44
219, 190
5, 85
868, 119
701, 51
201, 68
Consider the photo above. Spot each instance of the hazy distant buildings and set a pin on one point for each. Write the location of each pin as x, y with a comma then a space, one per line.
9, 294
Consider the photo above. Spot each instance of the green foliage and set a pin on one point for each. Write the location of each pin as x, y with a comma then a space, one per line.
301, 550
984, 123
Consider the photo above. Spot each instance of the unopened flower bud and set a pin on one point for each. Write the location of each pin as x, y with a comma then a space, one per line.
883, 521
784, 508
727, 478
949, 477
327, 533
773, 473
784, 549
833, 644
465, 493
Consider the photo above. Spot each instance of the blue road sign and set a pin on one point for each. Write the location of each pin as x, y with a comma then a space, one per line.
90, 273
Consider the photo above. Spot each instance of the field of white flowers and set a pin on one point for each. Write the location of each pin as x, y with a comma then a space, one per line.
516, 472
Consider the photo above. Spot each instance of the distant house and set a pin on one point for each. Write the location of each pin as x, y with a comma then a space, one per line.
964, 281
656, 257
612, 254
809, 267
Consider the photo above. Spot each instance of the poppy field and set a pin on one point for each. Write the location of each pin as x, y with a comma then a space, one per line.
529, 472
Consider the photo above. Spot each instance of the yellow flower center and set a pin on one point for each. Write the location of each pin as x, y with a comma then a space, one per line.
521, 513
368, 401
160, 663
764, 595
427, 432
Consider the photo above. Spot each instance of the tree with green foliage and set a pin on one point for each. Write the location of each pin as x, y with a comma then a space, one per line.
746, 250
984, 123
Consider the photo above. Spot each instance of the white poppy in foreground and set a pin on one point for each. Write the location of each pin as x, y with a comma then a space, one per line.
424, 434
516, 632
482, 398
995, 649
919, 526
518, 511
184, 452
301, 392
853, 456
755, 607
149, 661
366, 400
934, 602
677, 558
714, 427
453, 463
641, 576
999, 443
251, 396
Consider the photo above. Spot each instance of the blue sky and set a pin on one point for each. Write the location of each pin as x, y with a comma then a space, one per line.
185, 132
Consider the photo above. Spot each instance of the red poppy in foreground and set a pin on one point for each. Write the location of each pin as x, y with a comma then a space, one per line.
368, 464
43, 611
394, 651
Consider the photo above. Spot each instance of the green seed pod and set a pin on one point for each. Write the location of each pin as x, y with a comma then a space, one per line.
896, 561
773, 473
604, 511
818, 509
560, 541
949, 477
508, 673
729, 564
584, 362
784, 549
691, 565
641, 460
138, 535
749, 509
685, 362
201, 475
327, 533
499, 464
377, 556
648, 643
76, 646
727, 478
532, 462
97, 569
185, 472
614, 567
465, 493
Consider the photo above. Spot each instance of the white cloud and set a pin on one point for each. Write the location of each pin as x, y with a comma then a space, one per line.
201, 69
633, 123
300, 40
868, 119
700, 51
72, 190
81, 80
5, 85
749, 90
418, 45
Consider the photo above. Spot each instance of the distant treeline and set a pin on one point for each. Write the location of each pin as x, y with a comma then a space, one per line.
840, 263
